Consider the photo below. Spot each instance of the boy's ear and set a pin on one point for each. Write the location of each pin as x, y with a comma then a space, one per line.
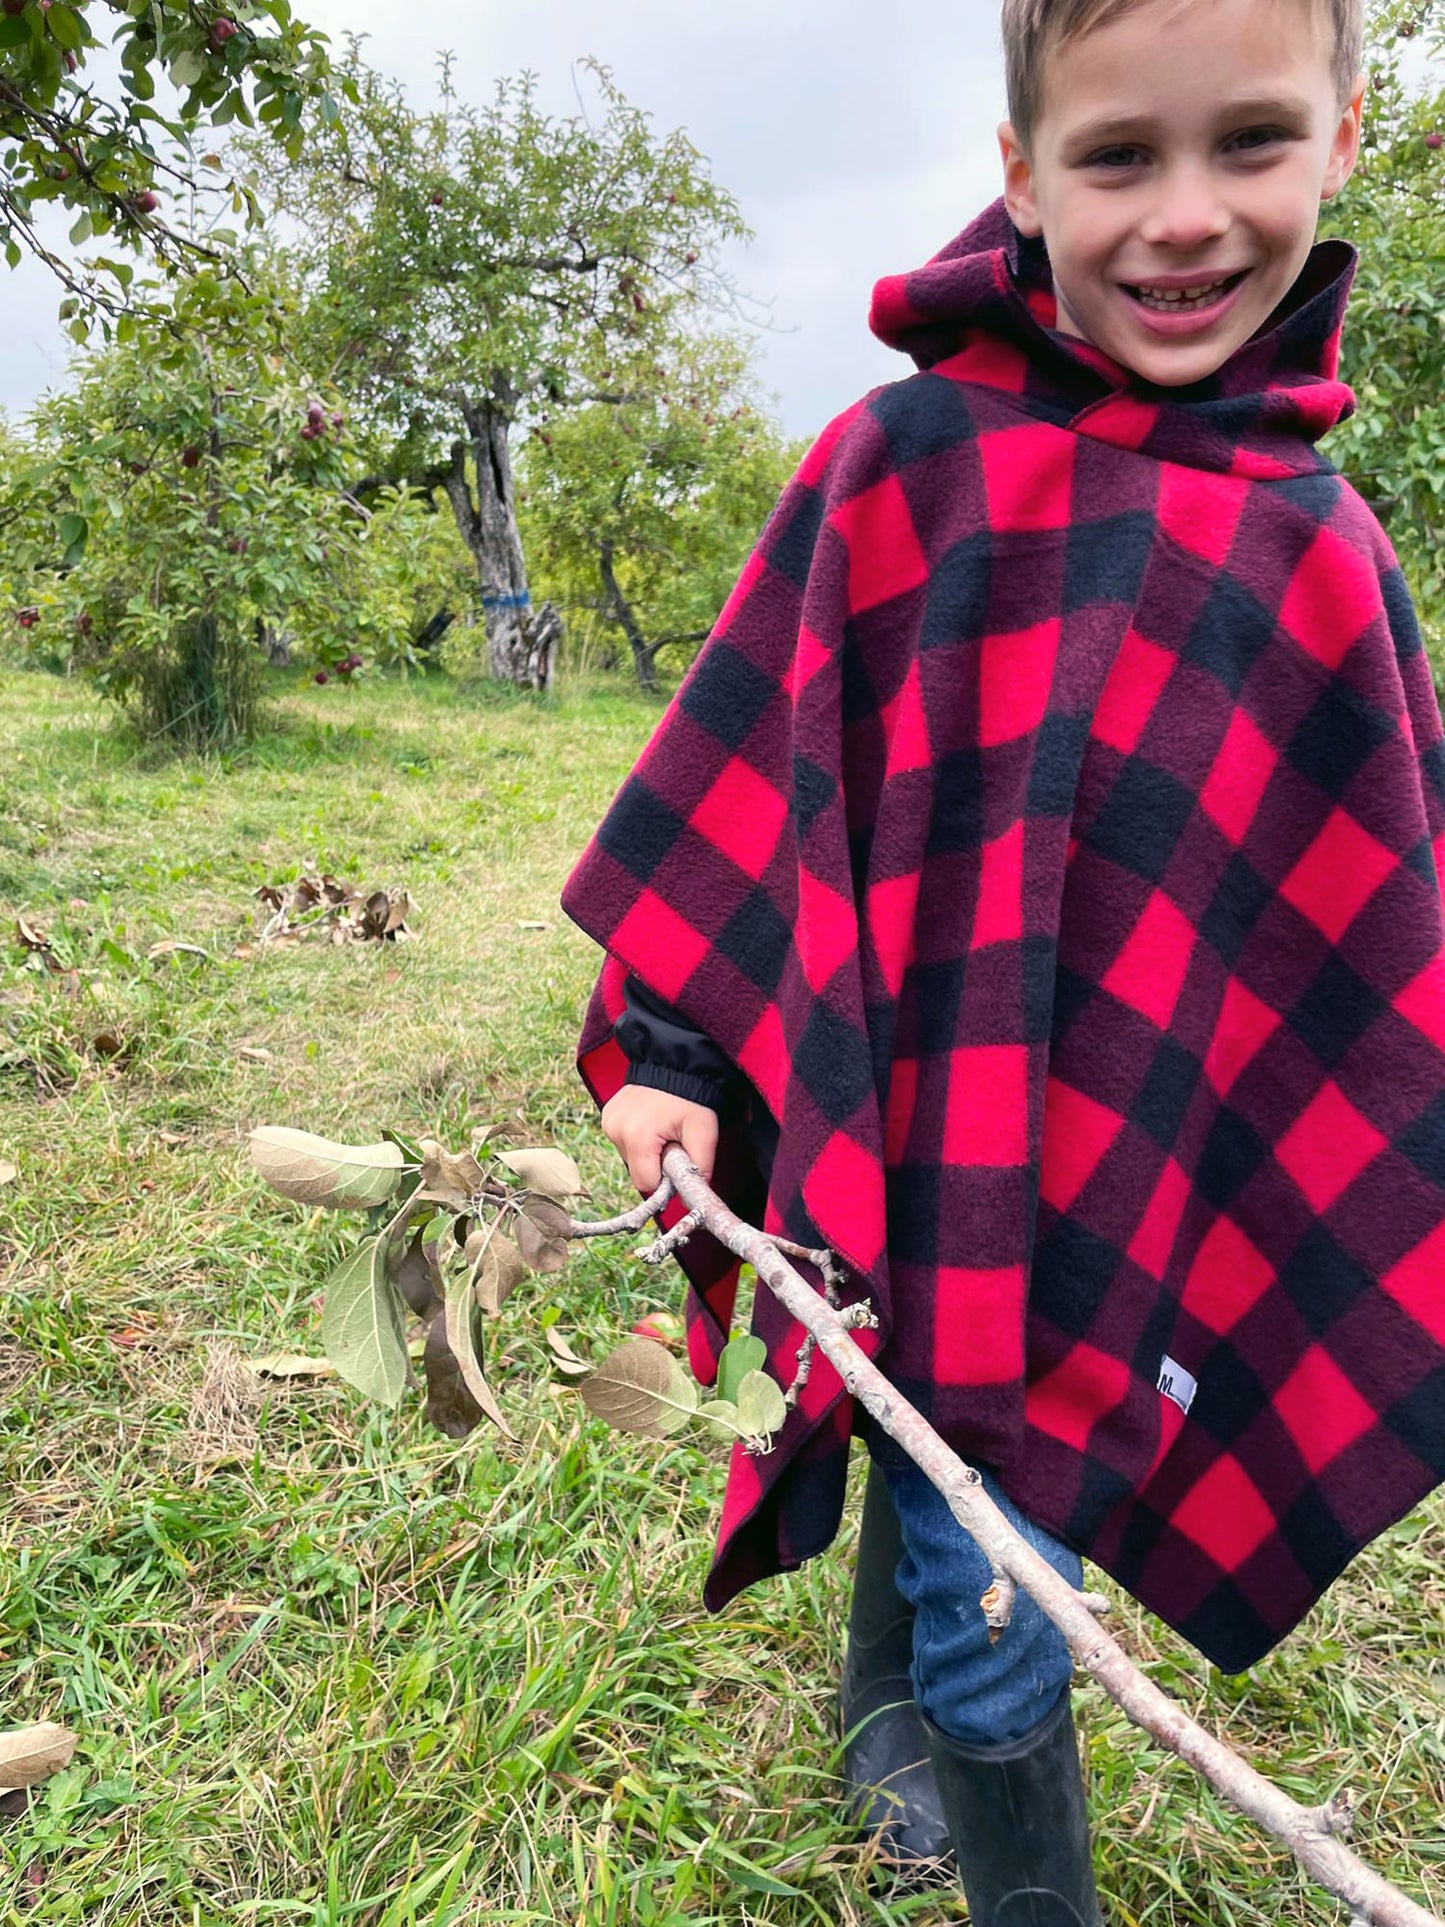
1018, 182
1345, 149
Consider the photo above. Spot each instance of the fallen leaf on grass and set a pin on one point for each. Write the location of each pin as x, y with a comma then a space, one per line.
169, 947
563, 1356
139, 1332
292, 1365
8, 1172
325, 907
253, 1054
32, 1753
170, 1137
107, 1043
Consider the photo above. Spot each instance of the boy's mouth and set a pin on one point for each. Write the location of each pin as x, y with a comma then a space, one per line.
1195, 298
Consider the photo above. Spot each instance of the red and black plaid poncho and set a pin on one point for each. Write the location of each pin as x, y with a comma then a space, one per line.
1050, 831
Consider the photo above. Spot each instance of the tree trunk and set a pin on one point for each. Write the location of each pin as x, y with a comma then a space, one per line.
521, 641
644, 657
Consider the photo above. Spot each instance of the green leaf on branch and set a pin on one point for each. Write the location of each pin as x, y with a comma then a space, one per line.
683, 1393
761, 1408
741, 1356
361, 1324
720, 1416
313, 1170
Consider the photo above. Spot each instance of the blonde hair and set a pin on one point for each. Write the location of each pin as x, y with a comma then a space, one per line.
1032, 28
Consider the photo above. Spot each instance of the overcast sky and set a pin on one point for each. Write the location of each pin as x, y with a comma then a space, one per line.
858, 136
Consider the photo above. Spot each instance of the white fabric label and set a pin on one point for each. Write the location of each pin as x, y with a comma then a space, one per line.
1176, 1383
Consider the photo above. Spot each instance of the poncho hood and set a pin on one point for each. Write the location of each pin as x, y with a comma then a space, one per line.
1051, 833
986, 305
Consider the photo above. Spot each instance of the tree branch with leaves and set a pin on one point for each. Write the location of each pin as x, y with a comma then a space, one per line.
451, 1235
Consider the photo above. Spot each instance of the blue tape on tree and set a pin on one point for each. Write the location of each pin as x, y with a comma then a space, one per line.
523, 601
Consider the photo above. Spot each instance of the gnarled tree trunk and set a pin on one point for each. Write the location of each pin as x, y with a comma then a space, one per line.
522, 641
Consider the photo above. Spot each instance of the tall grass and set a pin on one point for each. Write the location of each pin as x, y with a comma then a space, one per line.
328, 1667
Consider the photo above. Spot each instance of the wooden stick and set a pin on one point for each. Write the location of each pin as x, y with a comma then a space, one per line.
1312, 1834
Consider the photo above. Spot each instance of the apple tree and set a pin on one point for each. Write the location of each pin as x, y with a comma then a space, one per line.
471, 269
184, 492
117, 148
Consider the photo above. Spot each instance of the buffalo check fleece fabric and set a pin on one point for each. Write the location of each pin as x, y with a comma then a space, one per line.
1051, 832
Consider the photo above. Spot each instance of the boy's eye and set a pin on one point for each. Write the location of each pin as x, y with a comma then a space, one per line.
1252, 139
1114, 157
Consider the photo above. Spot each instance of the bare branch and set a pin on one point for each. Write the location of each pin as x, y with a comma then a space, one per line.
1311, 1834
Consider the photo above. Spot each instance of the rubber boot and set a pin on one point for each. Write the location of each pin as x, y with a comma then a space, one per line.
891, 1787
1020, 1826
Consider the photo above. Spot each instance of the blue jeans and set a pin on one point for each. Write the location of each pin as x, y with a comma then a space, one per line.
977, 1692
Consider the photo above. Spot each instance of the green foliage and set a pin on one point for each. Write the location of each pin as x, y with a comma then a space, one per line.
106, 151
1394, 345
185, 490
441, 248
474, 271
407, 566
640, 515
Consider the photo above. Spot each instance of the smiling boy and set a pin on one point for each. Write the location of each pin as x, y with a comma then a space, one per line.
1033, 891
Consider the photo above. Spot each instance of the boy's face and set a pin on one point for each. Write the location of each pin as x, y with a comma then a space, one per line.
1185, 144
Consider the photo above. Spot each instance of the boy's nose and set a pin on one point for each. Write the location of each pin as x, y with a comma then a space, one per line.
1187, 211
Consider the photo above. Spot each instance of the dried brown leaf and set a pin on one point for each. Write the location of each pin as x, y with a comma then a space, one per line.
541, 1169
461, 1337
497, 1270
292, 1365
31, 1753
30, 935
314, 1170
450, 1407
542, 1229
561, 1348
628, 1388
451, 1178
8, 1172
417, 1275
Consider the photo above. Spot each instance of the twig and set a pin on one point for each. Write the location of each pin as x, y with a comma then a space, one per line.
635, 1220
672, 1240
1311, 1833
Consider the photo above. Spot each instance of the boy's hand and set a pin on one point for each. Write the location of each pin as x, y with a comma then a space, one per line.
642, 1123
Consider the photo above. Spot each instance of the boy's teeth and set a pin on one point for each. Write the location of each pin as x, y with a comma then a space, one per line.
1195, 297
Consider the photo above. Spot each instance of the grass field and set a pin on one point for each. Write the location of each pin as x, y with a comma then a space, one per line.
328, 1667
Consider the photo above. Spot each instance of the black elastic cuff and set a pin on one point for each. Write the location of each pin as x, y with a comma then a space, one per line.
692, 1085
